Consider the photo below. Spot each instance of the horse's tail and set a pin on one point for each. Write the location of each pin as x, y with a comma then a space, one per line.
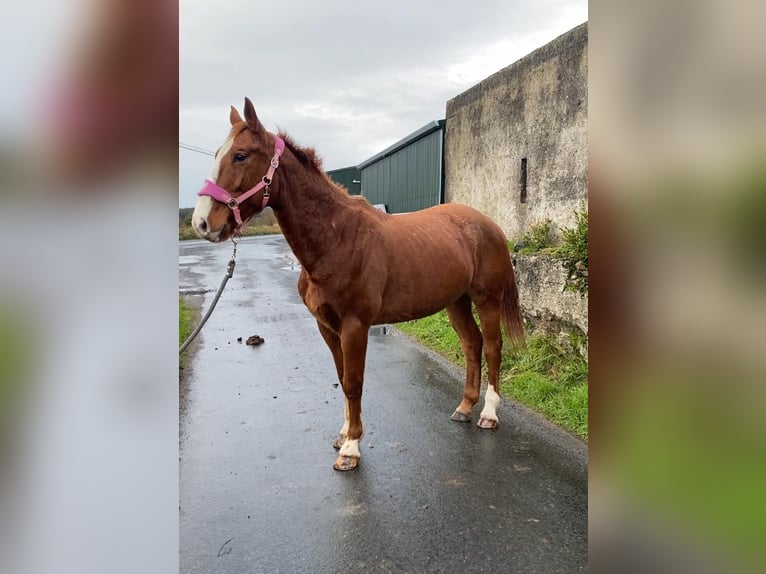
511, 312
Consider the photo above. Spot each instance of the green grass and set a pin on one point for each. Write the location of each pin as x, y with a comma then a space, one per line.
185, 320
436, 333
186, 233
545, 376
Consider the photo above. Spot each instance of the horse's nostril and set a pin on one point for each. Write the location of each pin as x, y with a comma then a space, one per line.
203, 225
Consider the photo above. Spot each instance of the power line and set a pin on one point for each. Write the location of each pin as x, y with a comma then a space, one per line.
196, 149
198, 136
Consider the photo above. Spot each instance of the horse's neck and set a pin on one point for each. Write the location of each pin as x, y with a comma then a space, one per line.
309, 213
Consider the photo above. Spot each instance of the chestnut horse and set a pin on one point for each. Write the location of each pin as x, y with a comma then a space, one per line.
362, 267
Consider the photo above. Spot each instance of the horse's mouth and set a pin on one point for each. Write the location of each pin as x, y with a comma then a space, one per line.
219, 236
223, 234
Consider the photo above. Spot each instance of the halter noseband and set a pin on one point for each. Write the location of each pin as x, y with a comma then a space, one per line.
211, 189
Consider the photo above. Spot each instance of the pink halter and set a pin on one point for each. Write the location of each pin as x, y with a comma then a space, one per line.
211, 189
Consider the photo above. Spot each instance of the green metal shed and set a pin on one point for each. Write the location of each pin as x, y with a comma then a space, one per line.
348, 177
409, 175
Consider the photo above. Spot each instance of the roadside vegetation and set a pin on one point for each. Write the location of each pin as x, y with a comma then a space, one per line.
539, 239
572, 248
263, 224
574, 251
186, 316
547, 376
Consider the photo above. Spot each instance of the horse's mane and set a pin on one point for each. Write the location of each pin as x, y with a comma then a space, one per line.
306, 156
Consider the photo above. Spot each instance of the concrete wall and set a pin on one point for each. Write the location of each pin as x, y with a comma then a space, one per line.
547, 307
536, 108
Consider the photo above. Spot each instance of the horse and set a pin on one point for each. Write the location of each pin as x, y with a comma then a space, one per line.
362, 267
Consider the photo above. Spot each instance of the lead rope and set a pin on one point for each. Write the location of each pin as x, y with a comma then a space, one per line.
226, 277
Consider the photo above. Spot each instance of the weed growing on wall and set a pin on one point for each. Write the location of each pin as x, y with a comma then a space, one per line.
538, 238
574, 252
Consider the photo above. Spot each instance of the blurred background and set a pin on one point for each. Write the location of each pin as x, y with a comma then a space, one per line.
678, 229
88, 286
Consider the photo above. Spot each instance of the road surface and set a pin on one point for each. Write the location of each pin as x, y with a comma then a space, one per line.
257, 490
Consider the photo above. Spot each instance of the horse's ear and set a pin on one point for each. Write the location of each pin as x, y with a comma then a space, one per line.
250, 117
234, 116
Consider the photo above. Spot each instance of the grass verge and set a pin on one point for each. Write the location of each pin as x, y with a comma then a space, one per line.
184, 320
185, 325
545, 377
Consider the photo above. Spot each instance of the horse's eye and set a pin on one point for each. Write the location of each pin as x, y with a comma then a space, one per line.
239, 157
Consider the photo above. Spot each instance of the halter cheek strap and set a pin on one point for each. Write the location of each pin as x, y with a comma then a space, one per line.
211, 189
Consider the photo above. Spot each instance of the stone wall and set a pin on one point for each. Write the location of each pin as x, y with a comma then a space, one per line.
547, 307
534, 110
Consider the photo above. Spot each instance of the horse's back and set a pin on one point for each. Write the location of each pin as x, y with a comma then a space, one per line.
455, 220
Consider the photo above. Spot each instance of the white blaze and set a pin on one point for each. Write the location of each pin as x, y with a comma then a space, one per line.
215, 171
201, 211
205, 203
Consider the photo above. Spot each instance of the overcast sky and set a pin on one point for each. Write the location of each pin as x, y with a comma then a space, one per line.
348, 78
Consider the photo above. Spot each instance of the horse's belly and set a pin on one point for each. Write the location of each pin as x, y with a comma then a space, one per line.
419, 291
402, 308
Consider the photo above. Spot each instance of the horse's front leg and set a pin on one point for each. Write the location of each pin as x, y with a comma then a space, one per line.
333, 342
353, 340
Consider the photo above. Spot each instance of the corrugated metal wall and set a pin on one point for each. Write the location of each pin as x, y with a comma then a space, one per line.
409, 179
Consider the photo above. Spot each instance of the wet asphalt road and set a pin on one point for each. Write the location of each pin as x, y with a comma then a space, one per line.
257, 490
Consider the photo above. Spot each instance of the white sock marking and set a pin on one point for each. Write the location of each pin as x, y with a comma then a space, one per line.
350, 448
491, 400
344, 428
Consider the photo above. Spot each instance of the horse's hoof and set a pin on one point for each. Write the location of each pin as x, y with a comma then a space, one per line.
346, 463
461, 417
486, 424
338, 442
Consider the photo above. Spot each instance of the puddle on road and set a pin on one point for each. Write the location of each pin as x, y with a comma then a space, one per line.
292, 263
187, 260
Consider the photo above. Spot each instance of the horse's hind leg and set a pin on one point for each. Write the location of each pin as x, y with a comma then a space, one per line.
489, 314
461, 319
